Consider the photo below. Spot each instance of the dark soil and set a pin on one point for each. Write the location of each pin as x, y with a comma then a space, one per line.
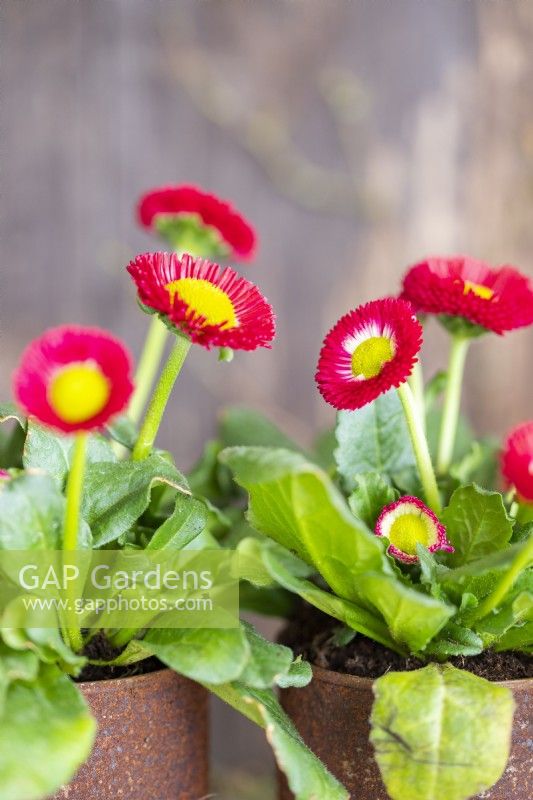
311, 634
100, 649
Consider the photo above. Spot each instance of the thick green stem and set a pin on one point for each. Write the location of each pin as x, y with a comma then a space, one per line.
505, 584
420, 447
452, 403
156, 409
416, 382
148, 367
71, 528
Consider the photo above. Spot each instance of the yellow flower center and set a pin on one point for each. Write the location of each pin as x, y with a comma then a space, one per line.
407, 531
205, 299
78, 392
369, 357
479, 290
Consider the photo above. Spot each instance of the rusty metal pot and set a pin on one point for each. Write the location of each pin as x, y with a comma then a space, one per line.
152, 740
332, 714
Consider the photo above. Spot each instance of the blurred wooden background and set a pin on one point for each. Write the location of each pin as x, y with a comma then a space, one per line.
357, 136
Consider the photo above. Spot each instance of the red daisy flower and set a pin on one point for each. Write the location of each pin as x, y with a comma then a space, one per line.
197, 222
369, 351
409, 522
498, 300
74, 378
4, 476
517, 460
214, 307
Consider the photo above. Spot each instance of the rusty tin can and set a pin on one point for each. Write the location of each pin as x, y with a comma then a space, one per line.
332, 714
152, 740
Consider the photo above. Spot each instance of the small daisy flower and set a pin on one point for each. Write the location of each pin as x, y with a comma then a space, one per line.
197, 222
517, 461
497, 300
74, 378
409, 522
369, 351
213, 307
4, 476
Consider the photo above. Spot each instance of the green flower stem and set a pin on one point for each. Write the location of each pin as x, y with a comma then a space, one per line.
71, 528
505, 584
416, 382
148, 367
156, 409
452, 403
420, 447
123, 637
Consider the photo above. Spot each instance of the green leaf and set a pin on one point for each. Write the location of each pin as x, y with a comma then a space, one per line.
511, 623
413, 618
52, 453
518, 638
11, 440
249, 428
479, 465
15, 666
307, 777
206, 478
477, 524
454, 640
525, 514
371, 494
373, 439
116, 495
268, 662
300, 674
124, 431
212, 655
188, 519
31, 513
269, 602
356, 617
297, 505
9, 411
479, 577
46, 733
440, 733
46, 643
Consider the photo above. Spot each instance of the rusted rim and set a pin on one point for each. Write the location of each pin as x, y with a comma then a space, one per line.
145, 676
365, 684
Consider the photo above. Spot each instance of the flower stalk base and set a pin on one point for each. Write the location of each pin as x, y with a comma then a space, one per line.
420, 447
156, 409
71, 528
452, 403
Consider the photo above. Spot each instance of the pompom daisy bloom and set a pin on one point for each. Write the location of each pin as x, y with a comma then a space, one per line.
4, 476
497, 300
213, 307
369, 351
73, 378
197, 222
517, 461
409, 522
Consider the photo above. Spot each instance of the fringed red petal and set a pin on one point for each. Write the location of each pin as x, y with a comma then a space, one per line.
440, 286
517, 460
334, 375
152, 272
234, 229
59, 347
395, 509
